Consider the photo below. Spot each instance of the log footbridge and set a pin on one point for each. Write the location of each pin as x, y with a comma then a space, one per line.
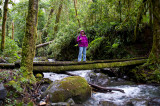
61, 66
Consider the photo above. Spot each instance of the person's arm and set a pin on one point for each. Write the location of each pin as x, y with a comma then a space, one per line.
79, 39
87, 41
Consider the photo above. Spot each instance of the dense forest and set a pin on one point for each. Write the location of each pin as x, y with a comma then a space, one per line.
116, 29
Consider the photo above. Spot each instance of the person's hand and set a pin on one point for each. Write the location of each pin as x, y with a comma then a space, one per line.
80, 39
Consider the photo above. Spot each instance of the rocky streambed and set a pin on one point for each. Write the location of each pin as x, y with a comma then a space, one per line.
135, 94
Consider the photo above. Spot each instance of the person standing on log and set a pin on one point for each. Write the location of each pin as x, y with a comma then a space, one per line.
83, 44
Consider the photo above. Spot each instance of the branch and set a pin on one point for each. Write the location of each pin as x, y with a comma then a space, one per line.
44, 44
99, 88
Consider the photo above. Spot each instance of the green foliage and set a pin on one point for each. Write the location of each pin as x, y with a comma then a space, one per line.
94, 46
63, 40
11, 50
18, 16
156, 75
15, 85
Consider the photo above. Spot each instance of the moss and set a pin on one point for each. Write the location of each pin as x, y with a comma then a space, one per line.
87, 66
74, 87
39, 75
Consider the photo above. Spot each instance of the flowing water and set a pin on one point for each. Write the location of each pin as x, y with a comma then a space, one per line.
135, 95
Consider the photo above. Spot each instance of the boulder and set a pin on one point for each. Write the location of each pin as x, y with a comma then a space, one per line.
74, 87
3, 92
98, 79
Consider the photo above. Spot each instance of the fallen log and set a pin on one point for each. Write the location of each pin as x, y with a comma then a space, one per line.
7, 65
59, 66
99, 88
66, 63
43, 44
52, 68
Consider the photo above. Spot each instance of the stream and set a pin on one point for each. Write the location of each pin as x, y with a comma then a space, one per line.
135, 95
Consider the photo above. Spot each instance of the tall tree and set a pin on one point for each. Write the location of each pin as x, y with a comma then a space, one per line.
29, 41
154, 57
45, 32
75, 6
58, 17
4, 24
12, 30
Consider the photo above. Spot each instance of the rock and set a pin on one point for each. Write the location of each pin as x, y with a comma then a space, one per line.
39, 75
106, 103
71, 102
137, 102
3, 60
99, 79
60, 104
154, 102
74, 87
42, 103
3, 92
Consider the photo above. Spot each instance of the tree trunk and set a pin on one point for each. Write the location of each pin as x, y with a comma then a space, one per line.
58, 17
75, 6
7, 28
139, 18
60, 67
29, 41
120, 11
12, 30
154, 57
45, 33
4, 24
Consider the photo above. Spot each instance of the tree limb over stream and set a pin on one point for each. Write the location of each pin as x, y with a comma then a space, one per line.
85, 66
61, 66
99, 88
43, 44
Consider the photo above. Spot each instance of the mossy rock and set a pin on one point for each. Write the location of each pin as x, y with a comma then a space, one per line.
74, 87
39, 75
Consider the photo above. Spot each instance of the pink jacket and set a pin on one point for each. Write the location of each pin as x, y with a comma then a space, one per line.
83, 42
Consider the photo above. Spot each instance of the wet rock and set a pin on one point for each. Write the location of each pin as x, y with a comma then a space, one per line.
106, 103
98, 79
71, 102
74, 87
111, 72
60, 104
3, 60
154, 102
3, 92
137, 102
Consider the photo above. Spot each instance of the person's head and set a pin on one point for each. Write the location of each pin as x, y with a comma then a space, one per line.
82, 32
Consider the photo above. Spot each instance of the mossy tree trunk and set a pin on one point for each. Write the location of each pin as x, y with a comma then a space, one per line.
58, 17
29, 41
4, 24
139, 18
75, 6
154, 57
120, 11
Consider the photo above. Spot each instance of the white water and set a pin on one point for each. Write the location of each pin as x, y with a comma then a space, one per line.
138, 95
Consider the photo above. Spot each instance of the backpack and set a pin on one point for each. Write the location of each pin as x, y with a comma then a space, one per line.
76, 41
